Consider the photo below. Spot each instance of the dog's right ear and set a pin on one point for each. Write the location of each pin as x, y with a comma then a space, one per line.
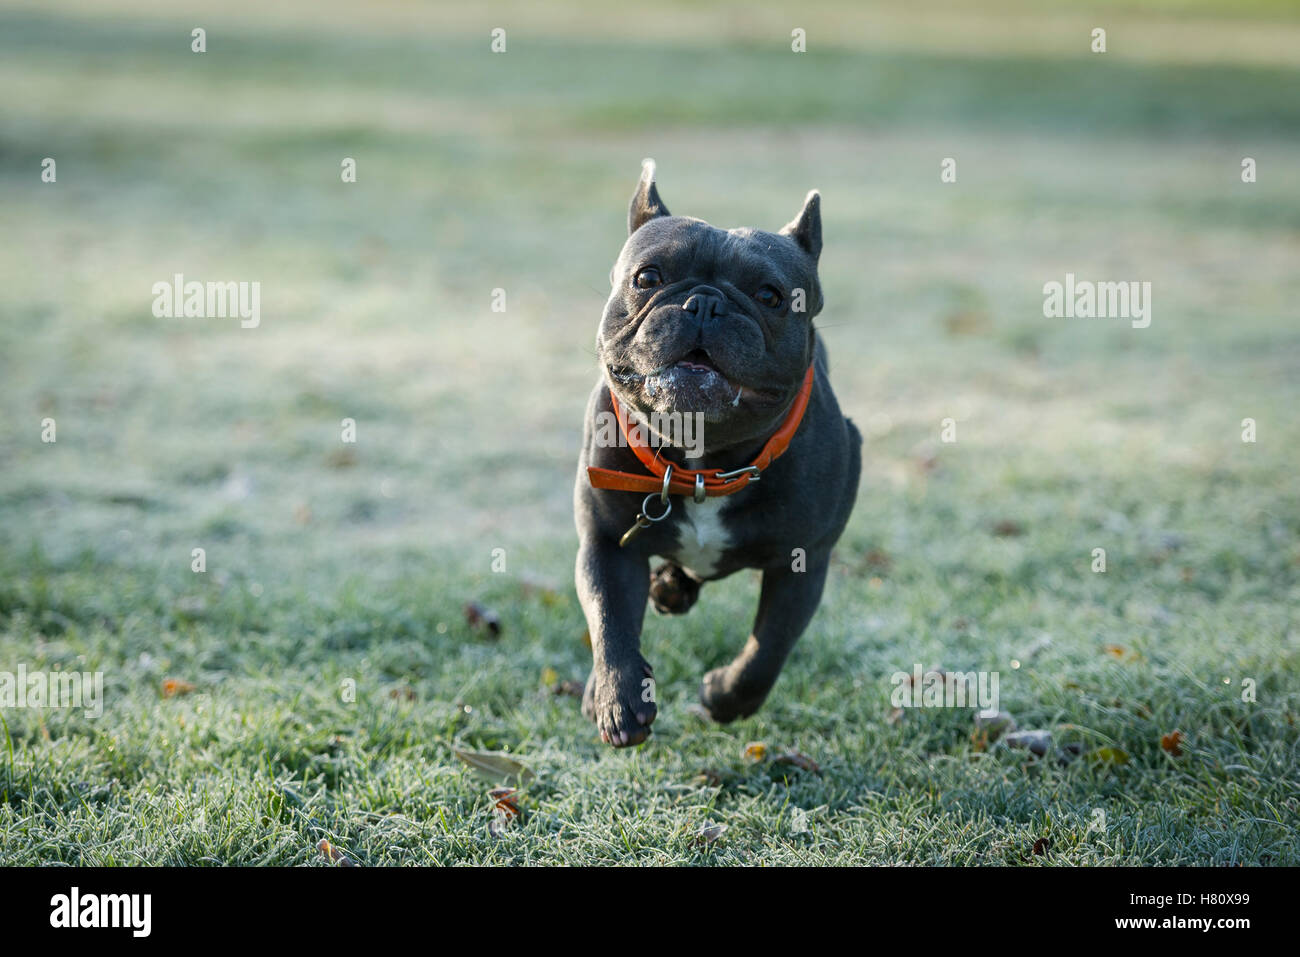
646, 204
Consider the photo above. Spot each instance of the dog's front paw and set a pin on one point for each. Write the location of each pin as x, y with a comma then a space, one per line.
621, 702
727, 699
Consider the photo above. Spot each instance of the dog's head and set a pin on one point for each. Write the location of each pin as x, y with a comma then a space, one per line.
708, 321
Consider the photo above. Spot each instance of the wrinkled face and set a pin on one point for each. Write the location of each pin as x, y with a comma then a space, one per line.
710, 321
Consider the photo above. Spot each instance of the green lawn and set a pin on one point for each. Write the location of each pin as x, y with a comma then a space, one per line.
330, 563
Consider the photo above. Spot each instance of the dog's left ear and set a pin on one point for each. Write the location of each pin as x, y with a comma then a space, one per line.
806, 228
646, 204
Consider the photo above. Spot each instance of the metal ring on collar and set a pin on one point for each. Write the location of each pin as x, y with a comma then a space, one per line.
645, 509
699, 487
668, 477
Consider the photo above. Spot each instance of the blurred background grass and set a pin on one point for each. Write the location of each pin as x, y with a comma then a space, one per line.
478, 171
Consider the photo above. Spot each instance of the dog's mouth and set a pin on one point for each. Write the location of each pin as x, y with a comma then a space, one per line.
693, 382
695, 362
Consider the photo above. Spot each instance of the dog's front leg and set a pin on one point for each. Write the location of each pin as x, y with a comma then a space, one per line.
613, 584
786, 604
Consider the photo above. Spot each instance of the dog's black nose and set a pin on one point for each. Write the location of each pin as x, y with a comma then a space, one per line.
705, 302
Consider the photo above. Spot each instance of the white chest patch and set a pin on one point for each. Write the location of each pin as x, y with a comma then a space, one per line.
701, 536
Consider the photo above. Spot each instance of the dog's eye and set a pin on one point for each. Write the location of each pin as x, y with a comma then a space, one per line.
768, 296
648, 278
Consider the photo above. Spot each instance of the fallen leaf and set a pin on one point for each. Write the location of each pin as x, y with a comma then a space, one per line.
878, 559
481, 618
966, 322
710, 833
569, 689
1108, 756
506, 801
1036, 742
937, 671
549, 595
755, 751
1008, 528
405, 692
495, 767
1172, 742
334, 854
173, 687
925, 456
708, 778
586, 637
995, 725
342, 458
1042, 846
799, 760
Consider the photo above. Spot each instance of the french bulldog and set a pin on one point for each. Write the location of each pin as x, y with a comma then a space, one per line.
712, 326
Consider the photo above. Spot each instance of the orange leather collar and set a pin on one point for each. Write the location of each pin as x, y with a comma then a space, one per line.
712, 482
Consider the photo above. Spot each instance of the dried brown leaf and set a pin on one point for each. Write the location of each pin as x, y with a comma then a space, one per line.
481, 619
173, 687
334, 854
798, 760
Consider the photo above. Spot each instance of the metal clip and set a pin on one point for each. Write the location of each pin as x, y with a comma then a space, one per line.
752, 470
644, 519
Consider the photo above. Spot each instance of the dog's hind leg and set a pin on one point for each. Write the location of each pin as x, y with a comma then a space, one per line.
786, 604
672, 591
